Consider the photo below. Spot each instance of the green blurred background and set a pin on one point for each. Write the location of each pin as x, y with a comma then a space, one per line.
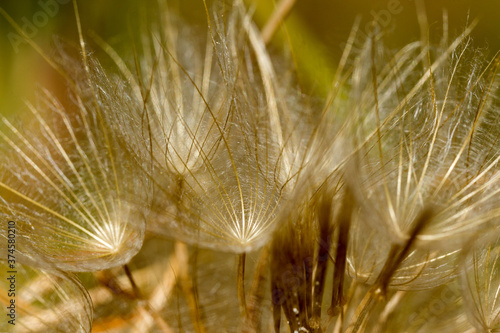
316, 31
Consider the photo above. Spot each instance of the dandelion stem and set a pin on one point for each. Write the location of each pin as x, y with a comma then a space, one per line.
137, 292
277, 17
341, 256
146, 307
325, 242
398, 253
396, 256
276, 300
363, 310
241, 285
256, 296
189, 284
145, 310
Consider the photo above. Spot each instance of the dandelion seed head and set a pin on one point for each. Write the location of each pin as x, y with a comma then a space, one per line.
208, 141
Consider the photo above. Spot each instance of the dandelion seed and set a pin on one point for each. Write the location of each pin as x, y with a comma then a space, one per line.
46, 301
480, 282
63, 185
210, 139
426, 151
